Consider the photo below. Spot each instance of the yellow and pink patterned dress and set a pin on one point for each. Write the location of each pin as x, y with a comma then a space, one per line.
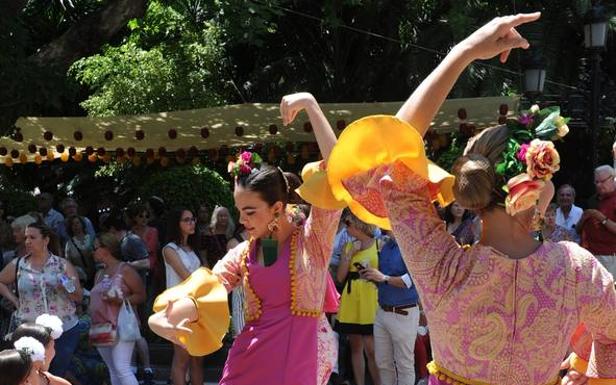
493, 319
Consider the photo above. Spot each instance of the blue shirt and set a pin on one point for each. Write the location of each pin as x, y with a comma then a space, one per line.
391, 263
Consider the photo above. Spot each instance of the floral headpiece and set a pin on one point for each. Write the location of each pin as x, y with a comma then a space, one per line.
244, 165
32, 347
52, 322
530, 158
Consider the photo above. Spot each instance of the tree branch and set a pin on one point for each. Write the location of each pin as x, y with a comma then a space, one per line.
14, 8
89, 34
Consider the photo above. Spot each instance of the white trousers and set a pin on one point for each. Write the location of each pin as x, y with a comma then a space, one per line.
117, 358
394, 346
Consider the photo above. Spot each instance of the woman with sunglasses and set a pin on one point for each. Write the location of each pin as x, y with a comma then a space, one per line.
139, 216
180, 261
283, 269
114, 283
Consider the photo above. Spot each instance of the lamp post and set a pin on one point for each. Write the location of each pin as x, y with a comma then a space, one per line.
595, 32
534, 74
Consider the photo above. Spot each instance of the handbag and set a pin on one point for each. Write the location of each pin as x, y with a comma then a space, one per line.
128, 326
103, 334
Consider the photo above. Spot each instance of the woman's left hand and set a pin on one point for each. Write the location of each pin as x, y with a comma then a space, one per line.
168, 325
290, 105
573, 377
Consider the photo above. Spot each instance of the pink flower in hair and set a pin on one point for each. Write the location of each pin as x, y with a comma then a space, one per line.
522, 152
246, 157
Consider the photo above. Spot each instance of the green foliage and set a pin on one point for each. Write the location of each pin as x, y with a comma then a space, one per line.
453, 152
17, 202
166, 63
188, 186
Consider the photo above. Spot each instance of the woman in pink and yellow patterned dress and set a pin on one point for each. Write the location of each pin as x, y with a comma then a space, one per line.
283, 269
503, 311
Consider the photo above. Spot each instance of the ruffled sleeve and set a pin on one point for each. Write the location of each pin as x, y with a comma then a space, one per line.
594, 342
210, 298
384, 146
381, 140
322, 223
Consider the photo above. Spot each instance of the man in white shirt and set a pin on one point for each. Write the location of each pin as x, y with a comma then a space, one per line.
568, 214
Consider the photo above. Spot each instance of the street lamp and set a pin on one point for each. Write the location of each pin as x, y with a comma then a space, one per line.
595, 32
533, 66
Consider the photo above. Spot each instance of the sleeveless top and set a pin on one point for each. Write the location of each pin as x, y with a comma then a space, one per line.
40, 292
189, 259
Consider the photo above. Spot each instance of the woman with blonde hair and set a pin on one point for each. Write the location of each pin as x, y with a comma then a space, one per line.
358, 303
504, 310
222, 229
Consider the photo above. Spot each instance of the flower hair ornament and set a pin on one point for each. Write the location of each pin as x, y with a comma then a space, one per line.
245, 164
52, 322
31, 347
530, 158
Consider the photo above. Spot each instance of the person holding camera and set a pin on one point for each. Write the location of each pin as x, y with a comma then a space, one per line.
397, 318
359, 297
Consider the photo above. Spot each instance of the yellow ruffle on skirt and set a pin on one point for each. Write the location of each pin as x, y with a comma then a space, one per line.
379, 140
210, 297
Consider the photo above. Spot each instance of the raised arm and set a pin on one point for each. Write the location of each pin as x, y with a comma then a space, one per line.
498, 37
294, 103
321, 225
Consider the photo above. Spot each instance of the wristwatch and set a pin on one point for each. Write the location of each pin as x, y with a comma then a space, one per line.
604, 222
386, 280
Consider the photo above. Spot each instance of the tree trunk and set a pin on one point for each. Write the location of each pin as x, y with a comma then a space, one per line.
89, 34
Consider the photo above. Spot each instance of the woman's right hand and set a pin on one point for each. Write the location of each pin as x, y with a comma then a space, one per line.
171, 323
498, 37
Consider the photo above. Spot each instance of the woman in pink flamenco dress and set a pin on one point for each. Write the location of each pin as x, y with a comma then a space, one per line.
507, 310
283, 269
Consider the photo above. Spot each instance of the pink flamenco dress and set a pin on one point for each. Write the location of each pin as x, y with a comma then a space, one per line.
493, 319
286, 339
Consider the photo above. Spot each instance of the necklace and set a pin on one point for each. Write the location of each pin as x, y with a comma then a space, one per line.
246, 279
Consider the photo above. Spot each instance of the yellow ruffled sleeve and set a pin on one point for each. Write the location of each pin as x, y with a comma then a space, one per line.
210, 297
380, 140
316, 189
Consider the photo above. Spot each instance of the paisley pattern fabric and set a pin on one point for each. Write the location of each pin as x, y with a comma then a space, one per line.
494, 319
327, 351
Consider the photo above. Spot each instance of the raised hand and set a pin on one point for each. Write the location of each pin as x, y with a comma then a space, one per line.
499, 37
290, 105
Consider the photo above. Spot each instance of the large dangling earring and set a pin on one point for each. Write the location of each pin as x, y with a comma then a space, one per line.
269, 245
274, 225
